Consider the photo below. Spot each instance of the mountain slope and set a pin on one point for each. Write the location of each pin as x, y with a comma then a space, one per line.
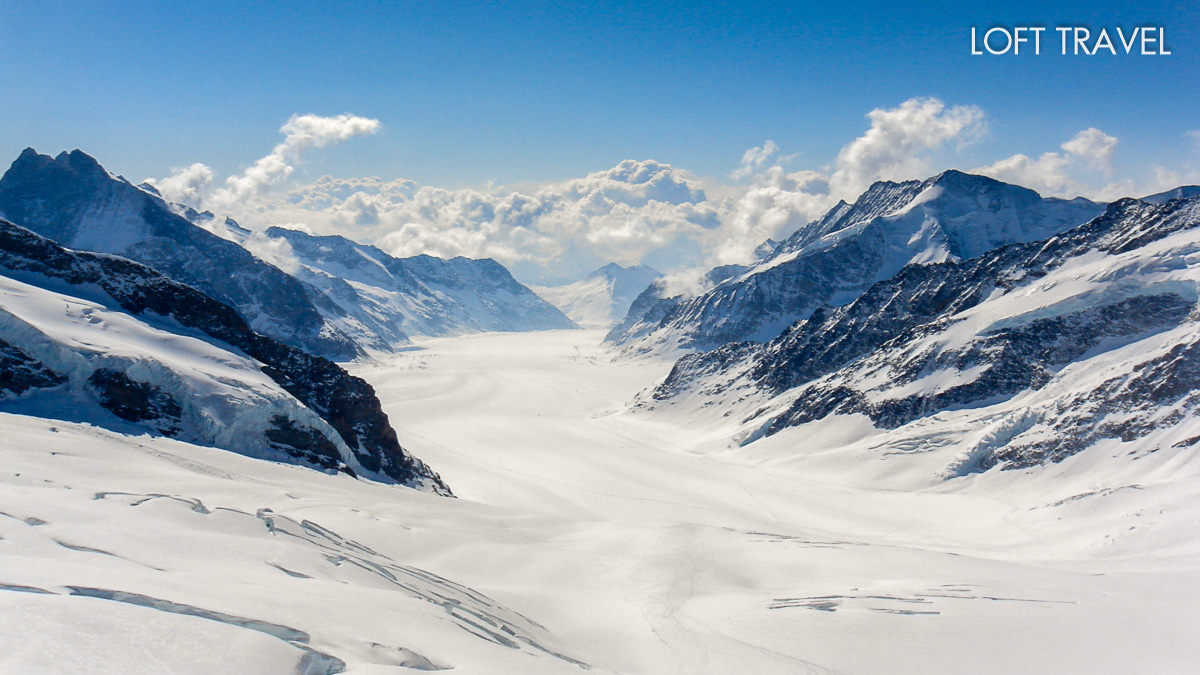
952, 216
188, 366
380, 299
603, 297
74, 201
1051, 347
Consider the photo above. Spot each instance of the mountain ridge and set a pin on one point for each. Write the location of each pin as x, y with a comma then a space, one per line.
346, 403
831, 260
74, 201
1016, 323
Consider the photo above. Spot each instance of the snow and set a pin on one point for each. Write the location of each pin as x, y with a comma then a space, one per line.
602, 298
952, 216
588, 302
634, 542
226, 400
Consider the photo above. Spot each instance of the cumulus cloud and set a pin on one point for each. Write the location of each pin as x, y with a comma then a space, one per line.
898, 144
635, 212
1063, 174
185, 185
1048, 174
274, 250
302, 133
755, 160
774, 206
1094, 148
619, 214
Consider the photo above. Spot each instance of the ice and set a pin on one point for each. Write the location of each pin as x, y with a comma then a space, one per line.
632, 542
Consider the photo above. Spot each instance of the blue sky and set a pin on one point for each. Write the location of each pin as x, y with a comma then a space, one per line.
469, 92
525, 93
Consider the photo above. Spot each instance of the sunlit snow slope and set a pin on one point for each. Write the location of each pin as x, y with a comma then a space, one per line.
632, 543
603, 297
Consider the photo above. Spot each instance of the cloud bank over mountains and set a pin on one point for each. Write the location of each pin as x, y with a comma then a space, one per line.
639, 211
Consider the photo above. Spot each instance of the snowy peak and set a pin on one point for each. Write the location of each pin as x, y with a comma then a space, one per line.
973, 213
137, 350
381, 300
74, 201
951, 216
603, 297
1047, 347
627, 283
1181, 192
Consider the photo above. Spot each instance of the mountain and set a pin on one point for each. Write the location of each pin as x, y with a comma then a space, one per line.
110, 341
654, 303
831, 261
1181, 192
1021, 356
74, 201
380, 300
603, 297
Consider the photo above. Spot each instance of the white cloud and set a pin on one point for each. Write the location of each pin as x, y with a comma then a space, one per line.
1094, 148
1055, 174
275, 250
636, 211
899, 142
1047, 174
302, 133
185, 185
755, 160
777, 204
551, 230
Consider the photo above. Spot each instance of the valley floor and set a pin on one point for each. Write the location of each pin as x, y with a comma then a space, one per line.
584, 535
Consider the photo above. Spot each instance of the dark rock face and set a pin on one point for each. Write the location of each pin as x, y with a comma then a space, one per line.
1016, 359
135, 401
831, 261
72, 200
895, 327
21, 373
1159, 393
346, 402
303, 442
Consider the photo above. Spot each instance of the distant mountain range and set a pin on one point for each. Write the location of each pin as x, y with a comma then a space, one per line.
1014, 356
72, 200
381, 300
603, 297
105, 340
831, 261
1025, 329
343, 298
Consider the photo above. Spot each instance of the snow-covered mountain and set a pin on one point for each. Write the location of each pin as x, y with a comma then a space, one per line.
831, 261
654, 303
74, 201
102, 339
1181, 192
1021, 356
380, 300
603, 297
332, 296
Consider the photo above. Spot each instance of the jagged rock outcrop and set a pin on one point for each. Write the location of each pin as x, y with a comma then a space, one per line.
345, 403
1017, 321
831, 261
